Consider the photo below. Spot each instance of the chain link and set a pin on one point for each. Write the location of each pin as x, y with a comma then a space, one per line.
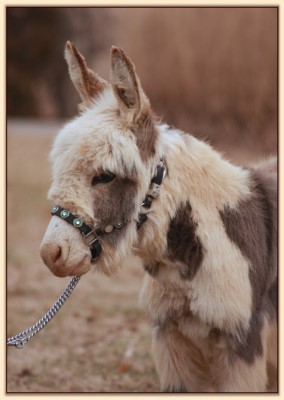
21, 339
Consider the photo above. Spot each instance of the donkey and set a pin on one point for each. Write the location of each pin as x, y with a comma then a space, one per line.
205, 229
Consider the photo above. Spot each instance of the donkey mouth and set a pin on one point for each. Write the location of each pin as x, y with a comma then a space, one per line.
79, 269
60, 267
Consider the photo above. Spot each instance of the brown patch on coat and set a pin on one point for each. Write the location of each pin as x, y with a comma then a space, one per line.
152, 269
244, 345
146, 134
128, 90
214, 333
183, 243
273, 296
115, 202
272, 384
248, 346
253, 228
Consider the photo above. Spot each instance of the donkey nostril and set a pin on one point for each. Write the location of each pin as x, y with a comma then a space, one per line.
55, 253
51, 254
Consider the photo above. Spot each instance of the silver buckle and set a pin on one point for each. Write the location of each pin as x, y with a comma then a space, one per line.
155, 190
165, 172
90, 238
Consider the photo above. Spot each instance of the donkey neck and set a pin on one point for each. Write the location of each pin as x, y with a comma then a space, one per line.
198, 177
197, 170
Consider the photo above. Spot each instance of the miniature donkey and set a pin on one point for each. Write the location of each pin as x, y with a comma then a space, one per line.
206, 232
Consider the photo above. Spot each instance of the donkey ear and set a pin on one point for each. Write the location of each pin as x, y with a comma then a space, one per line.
126, 83
86, 81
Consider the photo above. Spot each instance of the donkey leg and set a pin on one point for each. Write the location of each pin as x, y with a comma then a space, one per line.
243, 377
236, 369
272, 359
179, 362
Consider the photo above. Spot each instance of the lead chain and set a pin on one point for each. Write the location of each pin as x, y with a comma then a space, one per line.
22, 338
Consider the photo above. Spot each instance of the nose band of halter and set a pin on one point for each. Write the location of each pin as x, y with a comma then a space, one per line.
90, 235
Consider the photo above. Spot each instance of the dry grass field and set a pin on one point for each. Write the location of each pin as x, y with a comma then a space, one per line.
100, 341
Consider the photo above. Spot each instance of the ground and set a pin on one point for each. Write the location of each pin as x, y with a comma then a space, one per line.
101, 340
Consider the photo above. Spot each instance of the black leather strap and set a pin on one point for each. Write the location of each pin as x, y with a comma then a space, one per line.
147, 202
86, 230
142, 218
96, 249
158, 178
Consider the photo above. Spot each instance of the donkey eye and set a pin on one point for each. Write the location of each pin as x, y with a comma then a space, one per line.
105, 177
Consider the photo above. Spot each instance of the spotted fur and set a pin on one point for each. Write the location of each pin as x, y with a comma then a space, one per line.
209, 246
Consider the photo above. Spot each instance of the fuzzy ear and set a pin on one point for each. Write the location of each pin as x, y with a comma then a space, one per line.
86, 81
126, 83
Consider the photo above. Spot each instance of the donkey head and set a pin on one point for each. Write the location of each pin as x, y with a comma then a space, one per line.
102, 164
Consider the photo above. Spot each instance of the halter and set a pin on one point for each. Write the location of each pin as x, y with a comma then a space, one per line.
91, 235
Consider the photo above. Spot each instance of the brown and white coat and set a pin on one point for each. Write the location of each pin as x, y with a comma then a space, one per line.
209, 246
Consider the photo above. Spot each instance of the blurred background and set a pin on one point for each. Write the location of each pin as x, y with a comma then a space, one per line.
212, 71
208, 71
